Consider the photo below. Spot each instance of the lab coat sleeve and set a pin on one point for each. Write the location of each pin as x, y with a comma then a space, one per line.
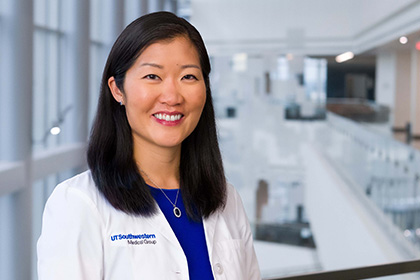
70, 245
251, 262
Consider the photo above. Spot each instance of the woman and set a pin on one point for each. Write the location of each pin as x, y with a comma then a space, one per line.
154, 204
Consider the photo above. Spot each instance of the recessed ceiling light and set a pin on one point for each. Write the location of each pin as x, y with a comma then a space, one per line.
344, 57
403, 40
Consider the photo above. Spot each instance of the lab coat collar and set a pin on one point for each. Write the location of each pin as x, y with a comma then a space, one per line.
159, 222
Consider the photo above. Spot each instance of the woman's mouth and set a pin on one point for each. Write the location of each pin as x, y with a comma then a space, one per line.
168, 117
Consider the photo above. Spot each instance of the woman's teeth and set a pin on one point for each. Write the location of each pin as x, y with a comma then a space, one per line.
168, 118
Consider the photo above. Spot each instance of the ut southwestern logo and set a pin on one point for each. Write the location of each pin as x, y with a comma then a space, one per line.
135, 239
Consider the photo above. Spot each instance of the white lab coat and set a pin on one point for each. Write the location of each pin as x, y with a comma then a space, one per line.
84, 237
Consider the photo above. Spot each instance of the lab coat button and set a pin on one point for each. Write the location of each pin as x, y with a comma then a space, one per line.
218, 268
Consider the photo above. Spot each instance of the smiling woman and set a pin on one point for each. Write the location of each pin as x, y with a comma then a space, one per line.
164, 94
155, 172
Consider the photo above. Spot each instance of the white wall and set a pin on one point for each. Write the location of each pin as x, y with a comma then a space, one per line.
385, 78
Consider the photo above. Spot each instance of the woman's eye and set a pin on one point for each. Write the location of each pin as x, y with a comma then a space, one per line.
151, 77
189, 77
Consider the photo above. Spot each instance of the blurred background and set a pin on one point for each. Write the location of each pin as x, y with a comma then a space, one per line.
318, 111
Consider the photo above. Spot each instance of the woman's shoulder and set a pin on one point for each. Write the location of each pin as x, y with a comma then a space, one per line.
82, 183
233, 201
232, 194
80, 188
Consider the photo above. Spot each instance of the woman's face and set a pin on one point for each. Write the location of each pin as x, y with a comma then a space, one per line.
164, 93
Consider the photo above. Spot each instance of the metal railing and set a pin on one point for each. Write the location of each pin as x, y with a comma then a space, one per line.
366, 272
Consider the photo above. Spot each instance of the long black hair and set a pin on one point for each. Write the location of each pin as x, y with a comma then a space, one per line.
110, 150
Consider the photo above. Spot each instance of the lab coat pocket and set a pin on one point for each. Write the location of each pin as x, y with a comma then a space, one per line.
232, 258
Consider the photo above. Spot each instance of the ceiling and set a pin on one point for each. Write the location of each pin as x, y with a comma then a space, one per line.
309, 27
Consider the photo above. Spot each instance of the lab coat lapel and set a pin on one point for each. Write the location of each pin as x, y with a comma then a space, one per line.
161, 225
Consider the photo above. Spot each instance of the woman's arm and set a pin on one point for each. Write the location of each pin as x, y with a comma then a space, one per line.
71, 245
251, 262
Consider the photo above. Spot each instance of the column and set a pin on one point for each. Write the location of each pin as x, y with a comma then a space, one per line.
114, 23
385, 78
132, 10
171, 6
75, 68
398, 86
17, 121
17, 83
156, 5
81, 41
415, 101
117, 18
144, 7
402, 95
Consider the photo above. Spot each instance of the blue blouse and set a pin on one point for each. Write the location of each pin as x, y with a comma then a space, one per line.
190, 234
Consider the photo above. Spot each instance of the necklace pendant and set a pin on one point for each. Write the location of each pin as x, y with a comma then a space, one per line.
177, 212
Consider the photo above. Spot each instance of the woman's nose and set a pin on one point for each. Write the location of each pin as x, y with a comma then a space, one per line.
170, 93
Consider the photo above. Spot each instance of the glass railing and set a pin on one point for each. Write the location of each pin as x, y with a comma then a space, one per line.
385, 170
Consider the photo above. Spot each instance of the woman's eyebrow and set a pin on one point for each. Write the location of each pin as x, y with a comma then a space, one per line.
152, 65
190, 66
161, 67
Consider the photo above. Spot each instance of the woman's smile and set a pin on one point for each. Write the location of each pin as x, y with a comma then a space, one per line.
168, 118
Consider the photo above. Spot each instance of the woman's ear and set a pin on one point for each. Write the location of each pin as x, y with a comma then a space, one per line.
116, 92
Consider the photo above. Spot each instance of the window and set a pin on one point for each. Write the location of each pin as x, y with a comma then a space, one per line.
48, 46
98, 53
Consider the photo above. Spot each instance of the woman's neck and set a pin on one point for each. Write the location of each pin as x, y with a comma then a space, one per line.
159, 166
